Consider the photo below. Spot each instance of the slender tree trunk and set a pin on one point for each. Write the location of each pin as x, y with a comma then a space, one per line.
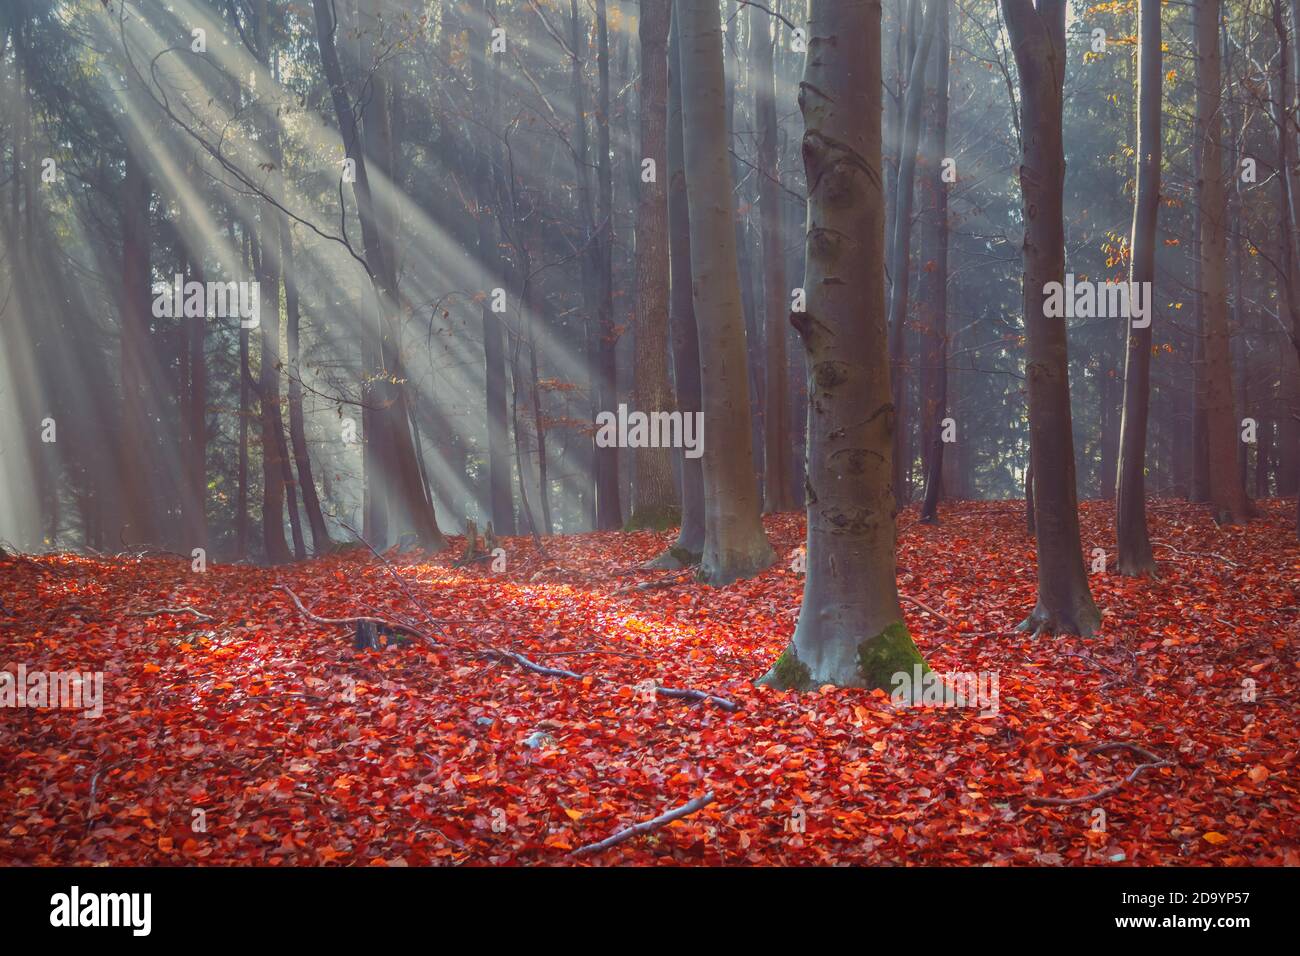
395, 456
136, 480
245, 381
933, 290
268, 277
655, 498
320, 539
777, 444
196, 430
487, 89
609, 512
689, 546
735, 545
850, 631
1038, 40
899, 259
1135, 556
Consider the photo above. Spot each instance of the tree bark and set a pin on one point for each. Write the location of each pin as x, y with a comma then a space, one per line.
395, 456
609, 512
1227, 495
850, 631
654, 504
777, 444
486, 165
681, 310
1135, 558
1038, 40
320, 539
735, 545
933, 290
899, 264
136, 479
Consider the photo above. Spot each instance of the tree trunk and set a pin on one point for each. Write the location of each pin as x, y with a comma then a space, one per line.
850, 631
395, 456
1038, 39
1135, 556
654, 503
735, 545
609, 512
777, 445
320, 539
899, 264
681, 310
245, 382
268, 277
1227, 495
136, 480
933, 290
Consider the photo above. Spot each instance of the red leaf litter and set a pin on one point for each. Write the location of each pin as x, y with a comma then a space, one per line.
260, 737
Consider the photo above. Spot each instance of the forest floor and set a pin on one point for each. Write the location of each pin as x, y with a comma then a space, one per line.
261, 737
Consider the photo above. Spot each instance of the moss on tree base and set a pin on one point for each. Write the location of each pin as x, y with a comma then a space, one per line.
890, 652
788, 673
660, 518
878, 659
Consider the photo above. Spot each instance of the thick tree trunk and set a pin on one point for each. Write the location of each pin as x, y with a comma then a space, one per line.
735, 545
654, 504
850, 631
1135, 556
1227, 496
933, 285
1038, 40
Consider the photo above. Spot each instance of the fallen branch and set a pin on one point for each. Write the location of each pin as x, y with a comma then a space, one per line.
686, 694
1197, 554
1154, 761
648, 826
925, 607
353, 621
670, 580
529, 665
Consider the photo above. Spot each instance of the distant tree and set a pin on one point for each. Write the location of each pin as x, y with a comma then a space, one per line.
735, 545
1064, 604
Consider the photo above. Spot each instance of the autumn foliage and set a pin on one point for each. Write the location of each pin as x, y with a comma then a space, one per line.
297, 749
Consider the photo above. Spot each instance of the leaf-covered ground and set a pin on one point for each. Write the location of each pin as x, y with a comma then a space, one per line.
259, 737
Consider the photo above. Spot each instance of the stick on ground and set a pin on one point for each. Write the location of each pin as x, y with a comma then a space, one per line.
648, 826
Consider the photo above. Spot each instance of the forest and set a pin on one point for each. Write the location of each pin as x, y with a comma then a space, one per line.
649, 433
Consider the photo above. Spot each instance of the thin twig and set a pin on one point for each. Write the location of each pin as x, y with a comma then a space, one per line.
1154, 761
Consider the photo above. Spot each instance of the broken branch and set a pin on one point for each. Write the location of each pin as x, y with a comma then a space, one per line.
647, 826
